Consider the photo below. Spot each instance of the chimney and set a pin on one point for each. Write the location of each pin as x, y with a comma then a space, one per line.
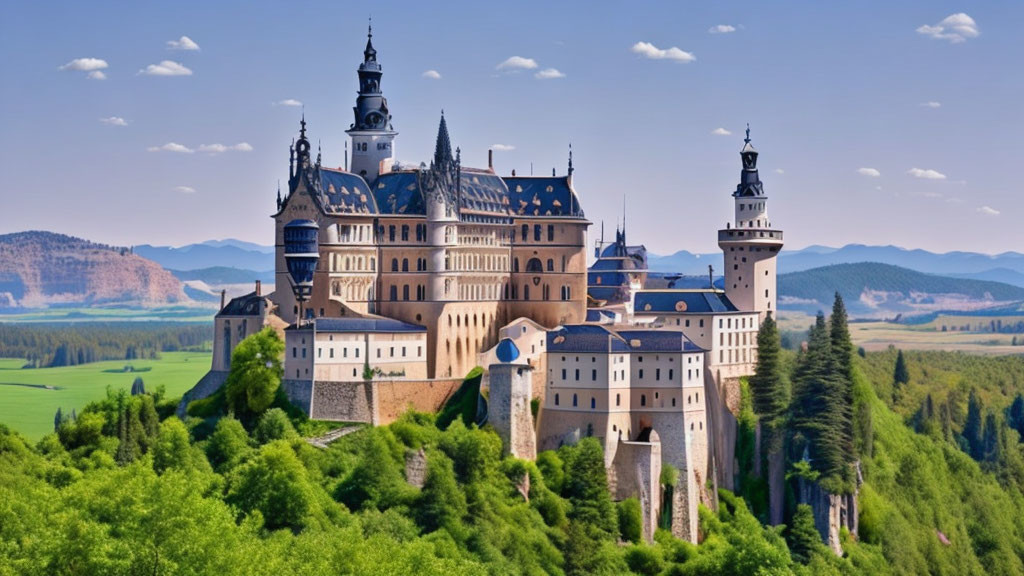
490, 159
259, 288
223, 297
513, 171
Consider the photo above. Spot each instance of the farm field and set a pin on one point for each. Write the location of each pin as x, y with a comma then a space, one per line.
28, 408
875, 336
114, 314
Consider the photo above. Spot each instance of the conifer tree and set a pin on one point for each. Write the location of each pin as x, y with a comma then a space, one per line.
58, 418
973, 427
1015, 414
802, 536
990, 439
900, 375
767, 384
842, 352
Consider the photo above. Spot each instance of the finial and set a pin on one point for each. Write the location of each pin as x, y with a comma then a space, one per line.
369, 29
318, 152
570, 159
747, 139
302, 131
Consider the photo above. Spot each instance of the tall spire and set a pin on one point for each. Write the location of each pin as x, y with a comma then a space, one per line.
371, 110
370, 54
443, 146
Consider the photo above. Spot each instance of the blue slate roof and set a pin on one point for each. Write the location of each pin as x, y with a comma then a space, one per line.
542, 196
598, 315
399, 193
385, 325
247, 305
585, 338
658, 341
683, 302
345, 193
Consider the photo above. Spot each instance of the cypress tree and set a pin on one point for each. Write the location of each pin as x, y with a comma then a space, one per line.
900, 375
767, 385
842, 352
973, 427
1015, 414
58, 418
990, 438
138, 386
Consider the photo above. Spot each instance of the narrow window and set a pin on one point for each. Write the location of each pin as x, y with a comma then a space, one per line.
643, 400
574, 401
593, 403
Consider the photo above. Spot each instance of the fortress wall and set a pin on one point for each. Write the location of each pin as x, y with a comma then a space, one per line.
394, 397
341, 401
636, 471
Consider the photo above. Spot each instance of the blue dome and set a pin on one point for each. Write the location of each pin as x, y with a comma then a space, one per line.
507, 351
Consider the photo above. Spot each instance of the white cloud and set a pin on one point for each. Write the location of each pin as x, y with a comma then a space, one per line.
926, 174
85, 64
171, 147
869, 172
288, 102
185, 189
931, 104
166, 68
114, 121
721, 132
518, 63
549, 74
956, 28
721, 29
221, 148
502, 147
648, 50
780, 171
96, 75
183, 43
989, 211
432, 74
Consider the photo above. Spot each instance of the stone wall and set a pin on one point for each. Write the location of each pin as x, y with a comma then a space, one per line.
832, 512
508, 409
636, 472
299, 393
342, 402
394, 397
207, 385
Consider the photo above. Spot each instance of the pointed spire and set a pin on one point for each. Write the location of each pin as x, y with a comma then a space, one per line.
302, 123
570, 159
747, 139
443, 146
370, 54
318, 152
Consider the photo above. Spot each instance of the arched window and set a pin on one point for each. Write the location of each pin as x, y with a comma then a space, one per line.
534, 265
405, 264
536, 232
526, 232
394, 264
574, 401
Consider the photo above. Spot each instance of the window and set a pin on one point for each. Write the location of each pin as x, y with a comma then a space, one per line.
378, 352
574, 401
394, 264
526, 232
643, 400
330, 353
563, 374
295, 352
673, 402
641, 376
551, 232
403, 351
536, 232
405, 232
577, 374
394, 293
556, 399
593, 403
657, 373
303, 352
593, 375
551, 265
671, 373
618, 399
391, 233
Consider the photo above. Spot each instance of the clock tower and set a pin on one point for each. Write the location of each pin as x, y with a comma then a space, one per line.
750, 244
372, 135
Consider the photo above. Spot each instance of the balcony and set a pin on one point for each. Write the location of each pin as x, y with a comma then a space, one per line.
760, 235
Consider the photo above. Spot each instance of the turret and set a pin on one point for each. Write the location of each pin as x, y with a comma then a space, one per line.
440, 184
371, 132
749, 243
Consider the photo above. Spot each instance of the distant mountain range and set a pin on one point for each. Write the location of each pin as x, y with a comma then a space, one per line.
211, 254
1007, 267
873, 289
44, 269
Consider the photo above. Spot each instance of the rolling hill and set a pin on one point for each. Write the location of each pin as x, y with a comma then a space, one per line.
44, 269
211, 254
874, 289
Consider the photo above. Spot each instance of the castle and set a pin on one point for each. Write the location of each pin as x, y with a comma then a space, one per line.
424, 272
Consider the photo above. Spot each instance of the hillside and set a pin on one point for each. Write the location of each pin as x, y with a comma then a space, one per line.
43, 269
216, 275
871, 288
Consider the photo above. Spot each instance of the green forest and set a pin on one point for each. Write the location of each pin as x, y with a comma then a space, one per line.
127, 488
55, 344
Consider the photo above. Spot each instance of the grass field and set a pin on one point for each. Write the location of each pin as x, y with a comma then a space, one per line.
874, 336
29, 408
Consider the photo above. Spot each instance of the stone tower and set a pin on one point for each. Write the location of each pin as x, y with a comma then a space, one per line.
440, 183
372, 135
750, 244
508, 404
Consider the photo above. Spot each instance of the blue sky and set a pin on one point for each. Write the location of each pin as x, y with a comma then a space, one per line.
883, 123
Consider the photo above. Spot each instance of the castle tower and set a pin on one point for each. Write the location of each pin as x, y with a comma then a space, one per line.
372, 134
440, 182
508, 404
750, 244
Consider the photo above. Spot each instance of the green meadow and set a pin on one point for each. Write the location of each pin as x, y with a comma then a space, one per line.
29, 398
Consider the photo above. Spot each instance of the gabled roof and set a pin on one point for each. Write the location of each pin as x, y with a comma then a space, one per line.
345, 193
399, 193
585, 338
542, 196
682, 302
247, 305
658, 341
360, 325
